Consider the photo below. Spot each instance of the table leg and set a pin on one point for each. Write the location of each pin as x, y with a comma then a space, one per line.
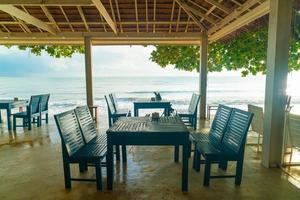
8, 111
176, 153
136, 112
0, 117
185, 167
110, 165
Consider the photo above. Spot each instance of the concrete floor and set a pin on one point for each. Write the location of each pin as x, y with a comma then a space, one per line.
31, 168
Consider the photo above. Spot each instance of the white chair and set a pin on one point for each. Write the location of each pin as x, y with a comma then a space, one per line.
292, 136
257, 122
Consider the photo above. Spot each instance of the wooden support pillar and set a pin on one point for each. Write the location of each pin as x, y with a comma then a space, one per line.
88, 71
203, 74
276, 81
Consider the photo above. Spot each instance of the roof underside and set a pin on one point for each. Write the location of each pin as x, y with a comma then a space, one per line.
125, 21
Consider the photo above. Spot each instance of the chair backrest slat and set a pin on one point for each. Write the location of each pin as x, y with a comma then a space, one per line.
293, 128
194, 103
86, 122
219, 123
44, 102
114, 101
34, 103
236, 131
258, 118
110, 105
69, 131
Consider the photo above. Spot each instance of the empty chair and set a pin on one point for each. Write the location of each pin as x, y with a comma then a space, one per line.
116, 106
113, 115
231, 148
33, 110
44, 107
191, 114
292, 136
74, 150
257, 122
215, 134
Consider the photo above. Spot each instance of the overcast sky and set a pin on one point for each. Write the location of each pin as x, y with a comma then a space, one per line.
107, 61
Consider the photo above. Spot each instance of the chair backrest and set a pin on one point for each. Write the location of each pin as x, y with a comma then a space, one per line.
86, 122
110, 106
69, 131
44, 102
236, 131
219, 123
34, 103
194, 103
293, 129
113, 99
258, 118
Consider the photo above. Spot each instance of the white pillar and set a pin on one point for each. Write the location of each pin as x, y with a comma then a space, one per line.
276, 81
203, 74
88, 71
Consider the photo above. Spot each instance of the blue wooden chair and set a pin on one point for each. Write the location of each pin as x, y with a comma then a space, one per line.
215, 134
116, 106
89, 131
44, 107
231, 148
74, 149
113, 115
33, 111
191, 114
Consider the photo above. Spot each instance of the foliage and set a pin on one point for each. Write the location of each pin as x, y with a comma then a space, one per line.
246, 52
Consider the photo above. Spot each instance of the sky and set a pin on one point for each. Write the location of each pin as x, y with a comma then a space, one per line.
107, 61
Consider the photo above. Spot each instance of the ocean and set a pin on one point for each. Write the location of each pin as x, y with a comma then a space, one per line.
67, 93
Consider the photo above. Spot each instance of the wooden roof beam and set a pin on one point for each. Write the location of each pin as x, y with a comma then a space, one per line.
254, 14
50, 17
219, 5
191, 15
105, 15
16, 12
83, 18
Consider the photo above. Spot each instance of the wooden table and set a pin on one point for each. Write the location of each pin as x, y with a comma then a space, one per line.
166, 105
8, 105
168, 131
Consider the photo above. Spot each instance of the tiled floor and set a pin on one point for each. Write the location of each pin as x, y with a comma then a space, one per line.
31, 168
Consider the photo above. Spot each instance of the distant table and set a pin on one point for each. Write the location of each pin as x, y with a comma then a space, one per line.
8, 105
142, 131
166, 105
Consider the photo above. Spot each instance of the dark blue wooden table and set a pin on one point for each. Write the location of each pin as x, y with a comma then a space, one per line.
166, 105
168, 131
8, 105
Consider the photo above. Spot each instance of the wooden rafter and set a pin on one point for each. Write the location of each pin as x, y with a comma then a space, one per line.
83, 18
22, 25
16, 12
102, 20
24, 9
219, 5
50, 17
194, 18
66, 17
178, 19
136, 16
254, 14
187, 25
119, 15
147, 18
6, 29
204, 9
105, 15
172, 16
208, 12
154, 14
113, 12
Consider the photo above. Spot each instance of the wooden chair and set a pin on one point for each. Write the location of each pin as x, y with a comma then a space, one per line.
44, 107
191, 114
113, 115
89, 131
33, 111
74, 149
215, 134
116, 106
257, 122
231, 148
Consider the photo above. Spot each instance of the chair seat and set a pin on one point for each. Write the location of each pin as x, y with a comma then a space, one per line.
20, 114
214, 151
199, 137
185, 114
99, 139
89, 153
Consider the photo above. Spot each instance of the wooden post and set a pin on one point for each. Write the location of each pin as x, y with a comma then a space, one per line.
203, 74
88, 71
276, 81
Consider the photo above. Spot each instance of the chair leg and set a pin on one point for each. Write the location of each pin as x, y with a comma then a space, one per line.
223, 165
117, 152
207, 173
67, 174
176, 153
83, 167
38, 121
239, 172
47, 118
98, 175
197, 161
124, 153
14, 123
29, 123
